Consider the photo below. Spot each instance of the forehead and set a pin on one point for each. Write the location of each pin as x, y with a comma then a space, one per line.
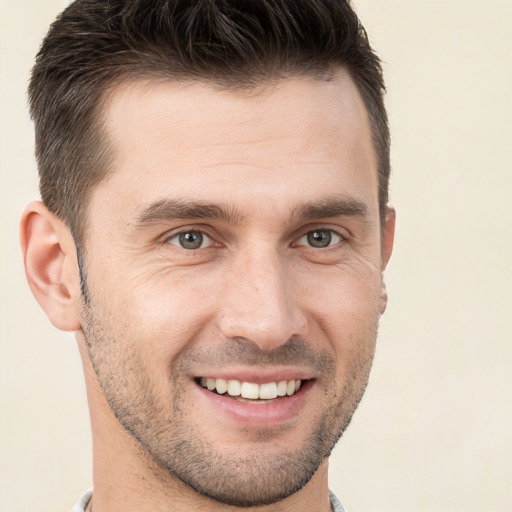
293, 139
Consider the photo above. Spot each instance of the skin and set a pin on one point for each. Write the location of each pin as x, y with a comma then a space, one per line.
255, 301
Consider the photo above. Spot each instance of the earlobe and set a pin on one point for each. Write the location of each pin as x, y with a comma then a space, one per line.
49, 256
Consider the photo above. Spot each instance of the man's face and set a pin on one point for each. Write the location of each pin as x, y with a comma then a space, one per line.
235, 245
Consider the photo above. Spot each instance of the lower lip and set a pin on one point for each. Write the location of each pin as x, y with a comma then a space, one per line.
274, 412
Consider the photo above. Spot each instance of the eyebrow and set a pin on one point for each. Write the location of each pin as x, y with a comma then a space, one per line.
177, 209
336, 206
167, 210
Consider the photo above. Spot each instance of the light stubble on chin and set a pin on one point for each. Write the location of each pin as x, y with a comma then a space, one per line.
250, 478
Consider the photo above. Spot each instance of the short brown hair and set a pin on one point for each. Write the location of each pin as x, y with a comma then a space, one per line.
94, 44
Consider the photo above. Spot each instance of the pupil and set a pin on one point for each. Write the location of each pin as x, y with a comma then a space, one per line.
191, 240
319, 238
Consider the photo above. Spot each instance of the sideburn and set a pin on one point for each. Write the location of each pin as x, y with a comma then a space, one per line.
82, 273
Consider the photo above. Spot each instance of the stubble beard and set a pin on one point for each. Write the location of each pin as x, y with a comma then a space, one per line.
164, 433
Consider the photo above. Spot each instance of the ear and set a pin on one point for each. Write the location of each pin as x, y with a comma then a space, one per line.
388, 237
49, 255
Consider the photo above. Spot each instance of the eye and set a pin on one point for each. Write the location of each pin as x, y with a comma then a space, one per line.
320, 238
190, 240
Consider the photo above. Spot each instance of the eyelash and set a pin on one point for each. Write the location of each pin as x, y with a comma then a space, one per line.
331, 232
179, 234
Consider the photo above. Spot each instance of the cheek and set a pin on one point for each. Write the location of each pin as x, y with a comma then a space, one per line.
346, 310
165, 312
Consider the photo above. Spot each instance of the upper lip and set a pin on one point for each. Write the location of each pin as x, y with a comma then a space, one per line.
257, 375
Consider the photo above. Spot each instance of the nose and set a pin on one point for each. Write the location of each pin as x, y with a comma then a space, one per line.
260, 304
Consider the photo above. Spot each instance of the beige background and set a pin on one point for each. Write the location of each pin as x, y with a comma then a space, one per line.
434, 430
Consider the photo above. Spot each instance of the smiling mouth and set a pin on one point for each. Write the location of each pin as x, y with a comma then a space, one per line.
250, 391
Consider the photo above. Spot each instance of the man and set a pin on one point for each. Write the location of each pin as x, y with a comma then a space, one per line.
214, 227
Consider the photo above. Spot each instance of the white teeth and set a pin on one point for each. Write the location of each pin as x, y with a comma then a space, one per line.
281, 388
249, 390
234, 387
268, 391
265, 391
221, 385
